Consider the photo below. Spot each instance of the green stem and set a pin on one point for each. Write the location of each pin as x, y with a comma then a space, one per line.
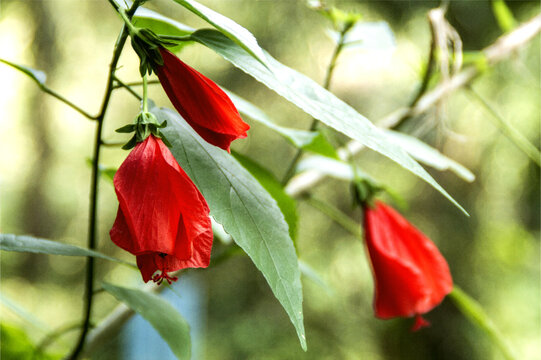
94, 187
337, 215
136, 83
176, 37
509, 131
326, 85
145, 94
50, 91
476, 315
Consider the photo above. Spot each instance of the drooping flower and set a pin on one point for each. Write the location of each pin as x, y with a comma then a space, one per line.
201, 102
162, 217
411, 276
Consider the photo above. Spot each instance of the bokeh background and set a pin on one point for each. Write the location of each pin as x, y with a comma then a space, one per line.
494, 254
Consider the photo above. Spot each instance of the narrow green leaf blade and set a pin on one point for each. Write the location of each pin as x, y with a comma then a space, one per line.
160, 24
316, 101
428, 155
228, 27
37, 75
20, 243
245, 210
504, 16
285, 202
307, 140
160, 314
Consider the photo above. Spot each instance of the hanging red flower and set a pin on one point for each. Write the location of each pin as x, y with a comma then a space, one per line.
411, 276
201, 102
162, 217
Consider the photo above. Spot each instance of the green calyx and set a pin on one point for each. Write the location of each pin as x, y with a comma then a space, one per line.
145, 124
364, 191
147, 46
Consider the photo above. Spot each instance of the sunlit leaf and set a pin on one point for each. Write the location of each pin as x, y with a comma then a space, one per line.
244, 208
316, 101
428, 155
285, 202
161, 25
19, 243
228, 27
160, 314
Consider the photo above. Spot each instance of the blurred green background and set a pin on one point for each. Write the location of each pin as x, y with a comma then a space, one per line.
493, 255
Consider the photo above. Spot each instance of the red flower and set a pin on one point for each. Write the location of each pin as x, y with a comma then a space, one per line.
162, 217
411, 275
201, 102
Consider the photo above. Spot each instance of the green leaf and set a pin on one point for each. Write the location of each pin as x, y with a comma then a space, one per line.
428, 155
316, 101
228, 27
160, 314
503, 15
245, 210
10, 242
161, 25
307, 140
37, 75
285, 202
313, 275
17, 345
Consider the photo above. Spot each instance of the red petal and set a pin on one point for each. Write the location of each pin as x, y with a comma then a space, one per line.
201, 102
411, 275
162, 219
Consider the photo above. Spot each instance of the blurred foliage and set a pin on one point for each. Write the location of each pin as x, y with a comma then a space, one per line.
493, 255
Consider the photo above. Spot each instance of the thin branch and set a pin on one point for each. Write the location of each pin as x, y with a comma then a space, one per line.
500, 50
121, 84
89, 290
48, 90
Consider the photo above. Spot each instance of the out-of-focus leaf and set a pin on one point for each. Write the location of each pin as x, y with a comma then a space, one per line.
316, 101
330, 167
37, 75
244, 208
307, 140
368, 36
503, 15
19, 243
228, 27
313, 275
428, 155
160, 314
21, 312
16, 345
107, 172
285, 202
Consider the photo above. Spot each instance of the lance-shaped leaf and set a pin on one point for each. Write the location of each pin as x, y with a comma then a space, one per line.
229, 28
37, 75
285, 202
160, 314
313, 141
428, 155
316, 101
246, 211
19, 243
